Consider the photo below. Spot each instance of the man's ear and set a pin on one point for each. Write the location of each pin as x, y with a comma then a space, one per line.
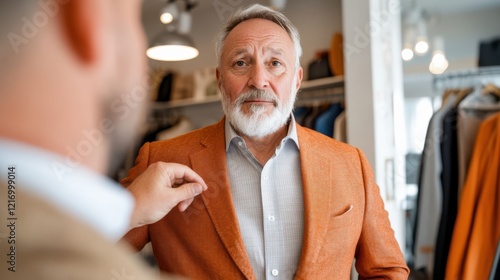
218, 76
82, 22
300, 73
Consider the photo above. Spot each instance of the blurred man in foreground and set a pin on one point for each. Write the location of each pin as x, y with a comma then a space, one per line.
72, 95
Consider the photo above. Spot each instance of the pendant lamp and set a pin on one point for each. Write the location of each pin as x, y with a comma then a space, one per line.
173, 43
172, 46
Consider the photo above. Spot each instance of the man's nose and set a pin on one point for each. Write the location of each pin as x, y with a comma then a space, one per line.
259, 77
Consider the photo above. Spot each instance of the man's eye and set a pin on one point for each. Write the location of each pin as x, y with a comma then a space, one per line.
240, 63
276, 63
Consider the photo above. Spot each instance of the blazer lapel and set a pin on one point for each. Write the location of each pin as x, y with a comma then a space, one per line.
317, 198
210, 164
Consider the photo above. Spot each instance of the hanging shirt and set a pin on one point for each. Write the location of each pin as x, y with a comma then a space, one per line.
269, 204
430, 197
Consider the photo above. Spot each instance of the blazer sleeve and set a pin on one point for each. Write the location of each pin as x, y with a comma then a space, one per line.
377, 254
137, 237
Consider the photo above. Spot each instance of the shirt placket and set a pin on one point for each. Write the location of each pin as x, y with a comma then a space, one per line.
271, 220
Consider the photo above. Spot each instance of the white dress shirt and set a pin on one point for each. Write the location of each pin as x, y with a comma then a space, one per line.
269, 204
78, 191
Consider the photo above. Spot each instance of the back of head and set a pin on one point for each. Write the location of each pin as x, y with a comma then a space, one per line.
62, 72
13, 14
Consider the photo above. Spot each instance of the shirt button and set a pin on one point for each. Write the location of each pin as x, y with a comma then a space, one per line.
275, 272
240, 143
265, 177
271, 218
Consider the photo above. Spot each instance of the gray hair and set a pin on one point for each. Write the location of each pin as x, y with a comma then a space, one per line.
258, 11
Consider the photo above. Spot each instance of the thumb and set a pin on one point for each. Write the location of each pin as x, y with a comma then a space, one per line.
188, 191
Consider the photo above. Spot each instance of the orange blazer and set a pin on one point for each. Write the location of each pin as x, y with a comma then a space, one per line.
344, 213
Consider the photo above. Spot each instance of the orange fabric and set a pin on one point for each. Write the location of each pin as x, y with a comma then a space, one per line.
477, 229
344, 213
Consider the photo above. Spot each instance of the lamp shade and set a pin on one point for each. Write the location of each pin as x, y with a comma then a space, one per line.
172, 46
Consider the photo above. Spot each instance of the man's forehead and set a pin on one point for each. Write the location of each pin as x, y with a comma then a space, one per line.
263, 32
274, 49
258, 26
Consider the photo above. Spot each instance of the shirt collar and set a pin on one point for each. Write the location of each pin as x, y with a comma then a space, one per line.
230, 133
76, 190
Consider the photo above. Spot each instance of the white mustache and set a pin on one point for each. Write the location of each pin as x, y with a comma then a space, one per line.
257, 94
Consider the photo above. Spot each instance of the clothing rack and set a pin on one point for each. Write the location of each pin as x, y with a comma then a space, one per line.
467, 78
324, 90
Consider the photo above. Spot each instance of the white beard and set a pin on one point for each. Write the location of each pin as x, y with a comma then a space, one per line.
258, 123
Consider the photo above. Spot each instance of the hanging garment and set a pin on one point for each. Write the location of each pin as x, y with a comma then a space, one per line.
430, 192
340, 131
310, 120
447, 93
325, 122
495, 268
476, 229
300, 114
471, 113
449, 184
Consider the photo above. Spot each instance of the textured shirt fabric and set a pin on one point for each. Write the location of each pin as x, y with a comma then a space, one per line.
72, 188
269, 204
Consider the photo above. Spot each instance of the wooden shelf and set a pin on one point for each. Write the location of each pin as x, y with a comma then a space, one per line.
185, 102
322, 83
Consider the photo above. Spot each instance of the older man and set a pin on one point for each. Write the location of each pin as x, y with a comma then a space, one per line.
68, 109
283, 201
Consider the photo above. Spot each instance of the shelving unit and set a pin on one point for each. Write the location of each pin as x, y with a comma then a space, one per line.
329, 89
185, 103
319, 90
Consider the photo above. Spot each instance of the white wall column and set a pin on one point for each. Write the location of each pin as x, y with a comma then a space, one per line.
374, 96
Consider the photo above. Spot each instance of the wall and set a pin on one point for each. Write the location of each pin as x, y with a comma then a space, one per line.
462, 33
374, 96
316, 21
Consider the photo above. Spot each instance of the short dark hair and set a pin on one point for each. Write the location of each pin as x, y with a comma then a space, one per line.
11, 15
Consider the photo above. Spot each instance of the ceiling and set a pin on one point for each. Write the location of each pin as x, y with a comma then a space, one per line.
441, 6
450, 6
